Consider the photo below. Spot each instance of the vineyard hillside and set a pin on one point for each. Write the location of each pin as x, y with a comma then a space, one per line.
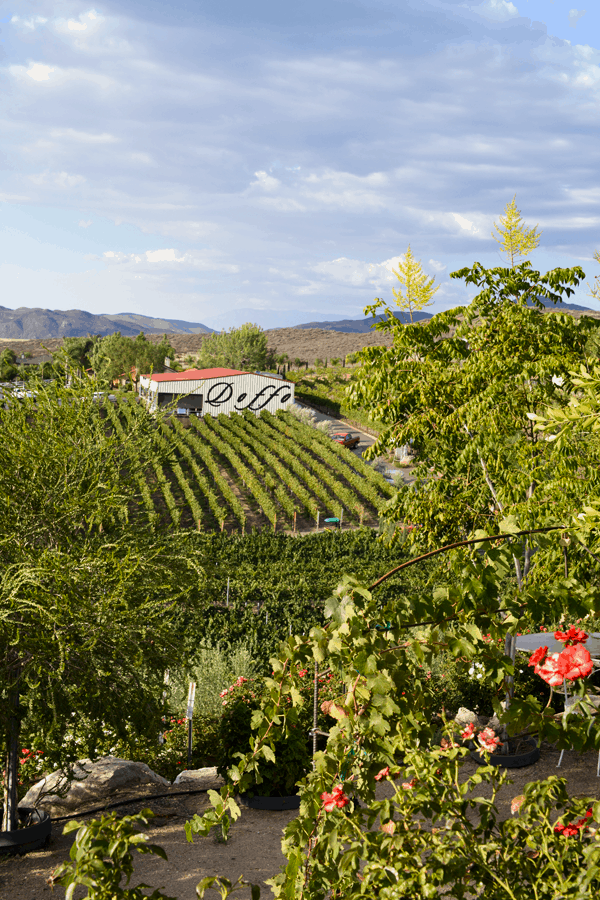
244, 472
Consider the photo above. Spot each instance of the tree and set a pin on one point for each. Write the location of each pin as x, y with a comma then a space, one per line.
239, 348
462, 387
90, 599
78, 349
115, 355
8, 365
516, 240
419, 288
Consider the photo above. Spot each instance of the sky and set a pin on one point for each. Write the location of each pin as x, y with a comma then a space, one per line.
222, 161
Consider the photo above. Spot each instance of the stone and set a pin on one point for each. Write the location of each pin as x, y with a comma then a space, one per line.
199, 778
465, 717
93, 782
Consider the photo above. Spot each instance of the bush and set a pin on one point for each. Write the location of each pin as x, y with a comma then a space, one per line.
293, 748
214, 669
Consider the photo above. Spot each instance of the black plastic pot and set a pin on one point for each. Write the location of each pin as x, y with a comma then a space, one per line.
24, 840
274, 803
526, 757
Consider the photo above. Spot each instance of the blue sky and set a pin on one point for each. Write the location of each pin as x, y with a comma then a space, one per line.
221, 161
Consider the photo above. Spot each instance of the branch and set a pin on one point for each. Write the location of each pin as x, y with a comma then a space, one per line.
493, 537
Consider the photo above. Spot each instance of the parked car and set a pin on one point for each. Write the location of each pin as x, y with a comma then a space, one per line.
346, 439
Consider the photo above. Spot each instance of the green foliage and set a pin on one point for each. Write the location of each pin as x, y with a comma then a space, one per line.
239, 348
215, 669
116, 355
516, 240
78, 350
103, 854
91, 602
463, 387
8, 365
382, 653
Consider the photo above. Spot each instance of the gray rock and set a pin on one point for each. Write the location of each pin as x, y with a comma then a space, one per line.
93, 782
199, 778
465, 716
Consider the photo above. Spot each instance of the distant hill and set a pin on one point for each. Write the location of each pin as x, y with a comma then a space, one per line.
364, 324
28, 323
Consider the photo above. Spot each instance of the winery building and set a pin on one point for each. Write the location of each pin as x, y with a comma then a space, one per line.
214, 391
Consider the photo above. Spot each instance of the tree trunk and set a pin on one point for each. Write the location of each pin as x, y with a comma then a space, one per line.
10, 819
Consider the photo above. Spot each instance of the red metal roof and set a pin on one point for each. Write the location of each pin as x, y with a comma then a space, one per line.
194, 375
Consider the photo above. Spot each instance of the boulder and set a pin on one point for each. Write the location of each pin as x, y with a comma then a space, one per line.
93, 783
199, 778
465, 717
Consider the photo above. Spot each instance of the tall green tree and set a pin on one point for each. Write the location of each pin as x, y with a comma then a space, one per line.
239, 348
90, 598
116, 354
461, 387
515, 238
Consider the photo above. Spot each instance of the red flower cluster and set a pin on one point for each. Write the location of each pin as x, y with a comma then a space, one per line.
572, 636
302, 672
574, 662
573, 828
29, 754
337, 799
488, 740
382, 774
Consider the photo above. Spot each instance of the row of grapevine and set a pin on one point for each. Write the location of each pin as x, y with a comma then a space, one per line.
115, 421
345, 496
205, 454
248, 477
304, 434
218, 511
362, 468
287, 478
262, 433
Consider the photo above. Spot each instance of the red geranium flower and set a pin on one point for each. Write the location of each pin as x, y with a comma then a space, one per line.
575, 662
337, 799
537, 656
382, 774
549, 671
572, 636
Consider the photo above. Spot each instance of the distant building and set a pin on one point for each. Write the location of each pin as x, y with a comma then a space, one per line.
214, 391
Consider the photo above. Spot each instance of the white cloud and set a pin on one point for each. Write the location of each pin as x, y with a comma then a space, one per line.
437, 266
163, 256
40, 71
57, 179
498, 10
265, 181
465, 224
85, 224
574, 16
84, 137
28, 24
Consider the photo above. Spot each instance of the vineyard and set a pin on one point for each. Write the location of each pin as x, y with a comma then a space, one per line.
246, 472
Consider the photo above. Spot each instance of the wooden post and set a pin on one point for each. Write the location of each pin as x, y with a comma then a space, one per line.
274, 524
318, 513
227, 601
294, 521
362, 512
341, 515
222, 524
199, 525
315, 711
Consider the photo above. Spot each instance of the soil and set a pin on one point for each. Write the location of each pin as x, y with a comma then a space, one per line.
253, 848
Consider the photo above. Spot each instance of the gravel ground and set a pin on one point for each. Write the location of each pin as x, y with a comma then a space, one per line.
253, 848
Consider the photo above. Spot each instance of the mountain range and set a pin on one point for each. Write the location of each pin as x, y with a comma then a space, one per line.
28, 323
58, 323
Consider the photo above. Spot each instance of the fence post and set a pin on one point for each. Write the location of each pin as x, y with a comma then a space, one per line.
190, 716
294, 521
315, 711
318, 514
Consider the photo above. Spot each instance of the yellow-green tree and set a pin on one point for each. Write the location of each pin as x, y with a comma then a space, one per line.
418, 287
515, 238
